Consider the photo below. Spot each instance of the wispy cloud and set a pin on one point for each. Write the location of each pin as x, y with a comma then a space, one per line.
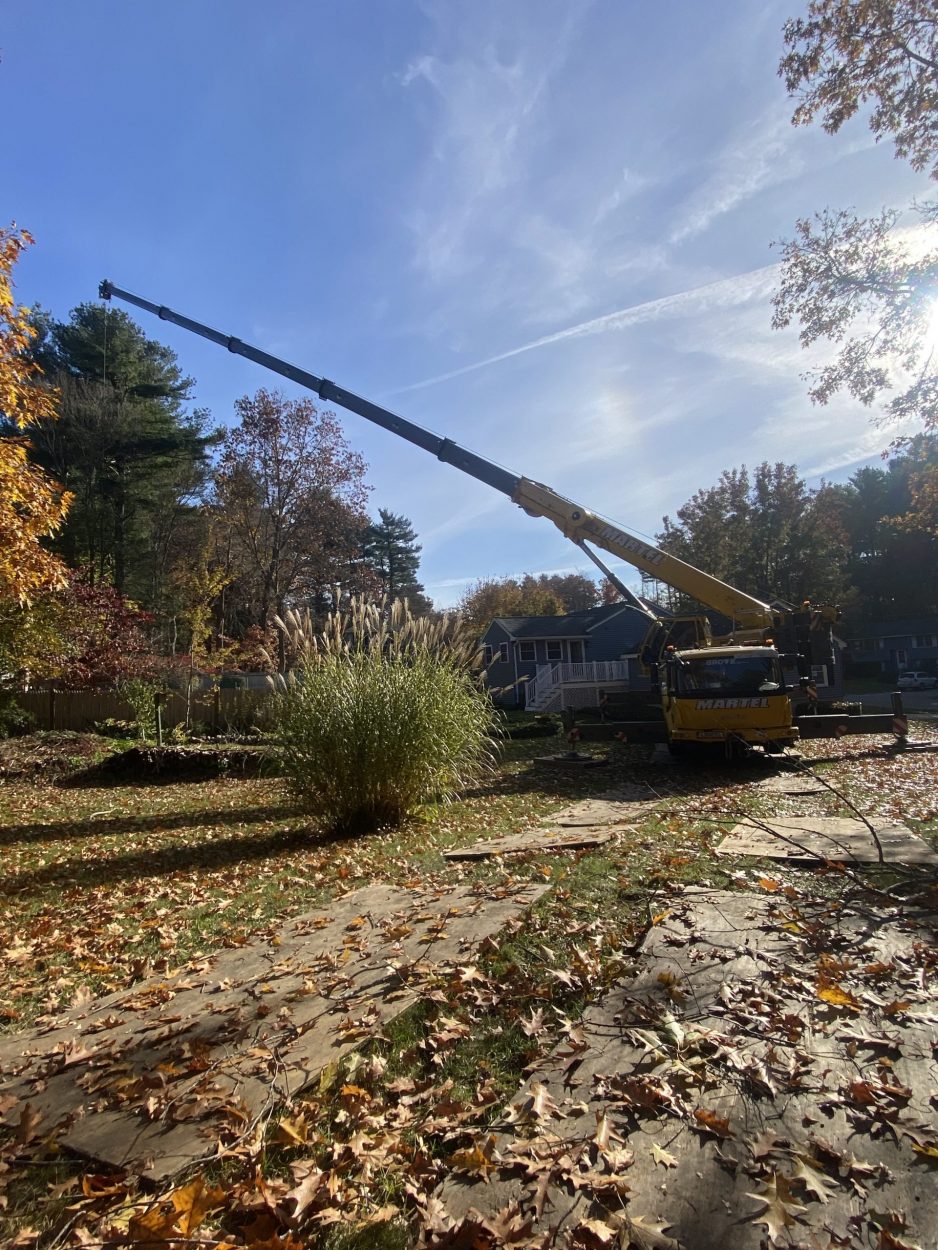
759, 156
723, 293
487, 95
630, 184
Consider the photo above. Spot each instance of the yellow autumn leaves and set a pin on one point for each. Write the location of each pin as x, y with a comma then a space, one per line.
32, 505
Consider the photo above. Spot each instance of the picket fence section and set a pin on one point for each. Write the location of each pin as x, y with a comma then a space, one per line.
81, 710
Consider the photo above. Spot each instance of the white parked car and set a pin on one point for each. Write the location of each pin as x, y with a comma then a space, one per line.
917, 681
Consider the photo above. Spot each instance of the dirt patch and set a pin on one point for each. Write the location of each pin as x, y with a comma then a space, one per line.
148, 764
49, 755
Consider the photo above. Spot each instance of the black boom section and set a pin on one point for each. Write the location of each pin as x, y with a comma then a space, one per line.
443, 448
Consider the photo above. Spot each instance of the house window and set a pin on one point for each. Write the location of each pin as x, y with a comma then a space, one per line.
924, 640
554, 651
527, 652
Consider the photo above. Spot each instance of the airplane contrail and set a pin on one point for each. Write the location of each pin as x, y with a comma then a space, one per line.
724, 293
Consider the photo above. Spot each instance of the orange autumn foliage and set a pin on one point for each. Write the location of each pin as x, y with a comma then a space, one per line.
32, 505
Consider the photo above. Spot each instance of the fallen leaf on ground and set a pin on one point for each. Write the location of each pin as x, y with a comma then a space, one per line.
781, 1211
837, 996
647, 1234
478, 1159
710, 1122
815, 1182
194, 1201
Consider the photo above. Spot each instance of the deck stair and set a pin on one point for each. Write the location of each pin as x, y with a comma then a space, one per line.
558, 686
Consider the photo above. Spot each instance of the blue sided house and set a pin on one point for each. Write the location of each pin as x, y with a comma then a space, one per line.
545, 663
891, 646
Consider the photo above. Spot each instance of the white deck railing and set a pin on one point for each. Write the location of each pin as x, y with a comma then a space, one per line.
548, 681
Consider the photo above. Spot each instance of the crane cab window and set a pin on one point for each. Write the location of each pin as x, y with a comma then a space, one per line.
729, 675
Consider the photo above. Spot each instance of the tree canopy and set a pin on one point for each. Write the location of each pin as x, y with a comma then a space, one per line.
548, 594
846, 53
32, 505
134, 457
763, 532
869, 285
855, 282
768, 534
289, 496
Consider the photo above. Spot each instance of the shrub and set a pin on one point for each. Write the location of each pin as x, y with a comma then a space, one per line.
139, 693
380, 713
14, 720
113, 727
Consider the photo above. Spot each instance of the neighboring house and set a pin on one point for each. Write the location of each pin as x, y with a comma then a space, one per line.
911, 643
543, 663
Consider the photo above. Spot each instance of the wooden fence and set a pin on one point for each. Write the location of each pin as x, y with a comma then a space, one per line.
217, 711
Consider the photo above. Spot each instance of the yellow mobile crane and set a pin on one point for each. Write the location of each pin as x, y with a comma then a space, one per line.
728, 689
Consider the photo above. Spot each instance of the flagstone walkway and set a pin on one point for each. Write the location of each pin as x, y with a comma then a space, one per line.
155, 1077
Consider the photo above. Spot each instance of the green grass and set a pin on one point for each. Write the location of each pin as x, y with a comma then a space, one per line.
105, 883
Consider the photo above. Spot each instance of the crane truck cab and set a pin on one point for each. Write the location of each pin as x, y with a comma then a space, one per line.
731, 695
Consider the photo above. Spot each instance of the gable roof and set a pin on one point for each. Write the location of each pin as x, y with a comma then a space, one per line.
571, 625
904, 626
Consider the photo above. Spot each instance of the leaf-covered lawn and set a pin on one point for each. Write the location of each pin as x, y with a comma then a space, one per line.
105, 885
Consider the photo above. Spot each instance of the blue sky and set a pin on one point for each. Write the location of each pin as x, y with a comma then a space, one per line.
542, 229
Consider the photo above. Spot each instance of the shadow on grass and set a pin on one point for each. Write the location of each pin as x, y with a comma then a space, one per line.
164, 861
164, 767
632, 765
90, 828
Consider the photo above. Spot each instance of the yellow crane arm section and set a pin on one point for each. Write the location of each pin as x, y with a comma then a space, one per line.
578, 524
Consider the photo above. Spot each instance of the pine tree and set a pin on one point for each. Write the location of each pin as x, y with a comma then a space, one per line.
392, 553
125, 445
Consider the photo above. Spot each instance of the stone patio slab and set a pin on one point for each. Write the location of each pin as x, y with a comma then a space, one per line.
826, 838
533, 840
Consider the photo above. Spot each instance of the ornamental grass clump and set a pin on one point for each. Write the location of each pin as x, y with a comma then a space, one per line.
380, 713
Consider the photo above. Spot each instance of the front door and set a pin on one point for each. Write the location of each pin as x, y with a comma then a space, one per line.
576, 652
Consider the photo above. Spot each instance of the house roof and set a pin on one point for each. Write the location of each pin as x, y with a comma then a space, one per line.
571, 625
897, 629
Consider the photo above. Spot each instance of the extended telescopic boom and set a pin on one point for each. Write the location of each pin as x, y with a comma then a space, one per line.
575, 522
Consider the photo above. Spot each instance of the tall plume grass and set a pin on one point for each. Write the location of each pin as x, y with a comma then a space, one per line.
380, 712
